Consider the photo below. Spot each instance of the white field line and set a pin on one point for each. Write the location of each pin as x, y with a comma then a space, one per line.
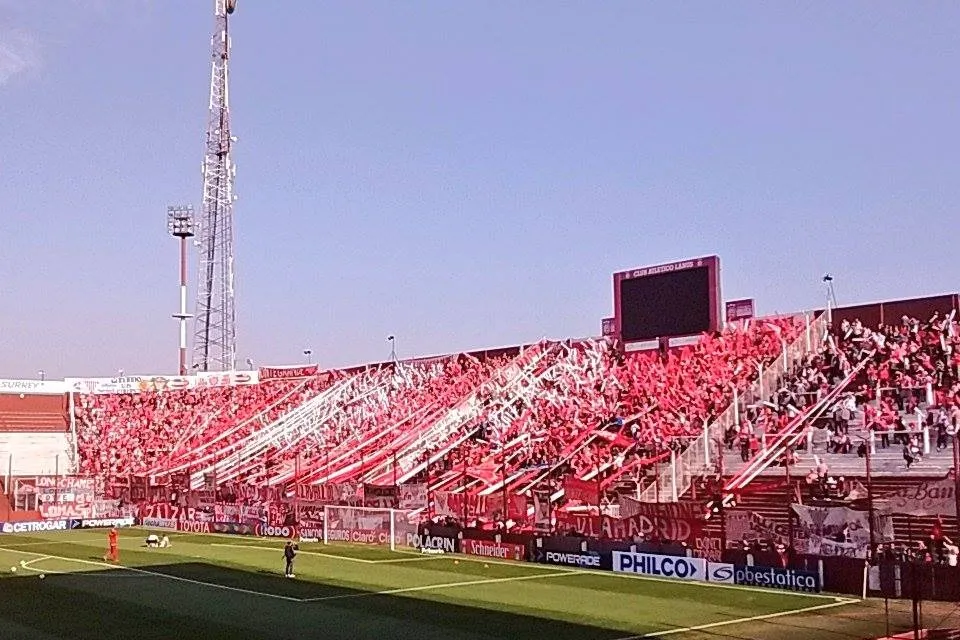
326, 555
445, 585
279, 550
116, 567
629, 576
52, 542
28, 566
725, 623
514, 563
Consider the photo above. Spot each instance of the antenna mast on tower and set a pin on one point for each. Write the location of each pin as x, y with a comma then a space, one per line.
215, 336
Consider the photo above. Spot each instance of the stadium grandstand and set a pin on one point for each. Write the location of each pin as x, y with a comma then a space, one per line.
547, 435
823, 444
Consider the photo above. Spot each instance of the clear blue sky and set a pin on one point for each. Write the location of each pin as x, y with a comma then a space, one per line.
464, 175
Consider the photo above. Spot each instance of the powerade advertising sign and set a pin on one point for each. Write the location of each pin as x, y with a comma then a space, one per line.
777, 578
36, 527
585, 560
106, 523
648, 564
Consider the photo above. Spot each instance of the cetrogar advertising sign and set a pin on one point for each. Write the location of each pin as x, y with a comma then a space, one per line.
35, 527
648, 564
777, 578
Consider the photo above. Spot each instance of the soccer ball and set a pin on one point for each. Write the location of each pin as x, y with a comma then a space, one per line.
13, 569
42, 576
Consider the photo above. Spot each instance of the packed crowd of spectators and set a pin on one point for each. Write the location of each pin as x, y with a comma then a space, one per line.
887, 401
604, 411
911, 383
123, 434
150, 432
575, 405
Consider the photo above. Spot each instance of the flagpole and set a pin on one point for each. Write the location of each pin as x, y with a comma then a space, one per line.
464, 491
870, 504
956, 477
429, 493
503, 477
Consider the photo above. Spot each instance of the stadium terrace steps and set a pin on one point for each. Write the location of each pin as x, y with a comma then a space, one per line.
885, 462
35, 453
33, 413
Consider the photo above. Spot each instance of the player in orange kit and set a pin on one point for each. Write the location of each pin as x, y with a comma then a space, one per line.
113, 540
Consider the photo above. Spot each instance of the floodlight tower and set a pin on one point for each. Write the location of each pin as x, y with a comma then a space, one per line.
180, 226
215, 337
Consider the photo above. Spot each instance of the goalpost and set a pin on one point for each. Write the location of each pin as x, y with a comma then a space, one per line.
368, 525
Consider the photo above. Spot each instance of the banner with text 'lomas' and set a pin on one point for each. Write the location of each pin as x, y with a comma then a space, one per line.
675, 522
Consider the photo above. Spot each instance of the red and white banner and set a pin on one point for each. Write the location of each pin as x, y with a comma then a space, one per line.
927, 498
541, 510
675, 522
447, 503
491, 549
287, 373
143, 384
580, 490
516, 506
383, 496
413, 496
350, 493
66, 489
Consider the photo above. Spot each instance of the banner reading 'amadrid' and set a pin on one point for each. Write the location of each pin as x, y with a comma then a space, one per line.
675, 522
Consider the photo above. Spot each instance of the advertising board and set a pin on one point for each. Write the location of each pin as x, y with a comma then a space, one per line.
159, 523
106, 523
36, 527
435, 543
777, 578
648, 564
491, 549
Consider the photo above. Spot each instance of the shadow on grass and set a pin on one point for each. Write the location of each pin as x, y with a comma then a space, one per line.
199, 600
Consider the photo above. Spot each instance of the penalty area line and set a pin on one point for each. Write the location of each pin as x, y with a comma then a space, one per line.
158, 574
445, 585
725, 623
305, 553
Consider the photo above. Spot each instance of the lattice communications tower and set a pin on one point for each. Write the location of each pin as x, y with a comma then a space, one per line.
215, 335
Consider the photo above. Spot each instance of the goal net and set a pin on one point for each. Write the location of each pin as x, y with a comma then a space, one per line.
367, 525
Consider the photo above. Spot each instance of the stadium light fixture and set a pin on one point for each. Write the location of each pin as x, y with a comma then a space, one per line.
308, 354
180, 225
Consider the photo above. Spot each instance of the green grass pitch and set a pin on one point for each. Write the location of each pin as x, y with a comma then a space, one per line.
232, 588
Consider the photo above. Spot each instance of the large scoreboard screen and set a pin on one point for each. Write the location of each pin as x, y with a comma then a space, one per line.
668, 300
